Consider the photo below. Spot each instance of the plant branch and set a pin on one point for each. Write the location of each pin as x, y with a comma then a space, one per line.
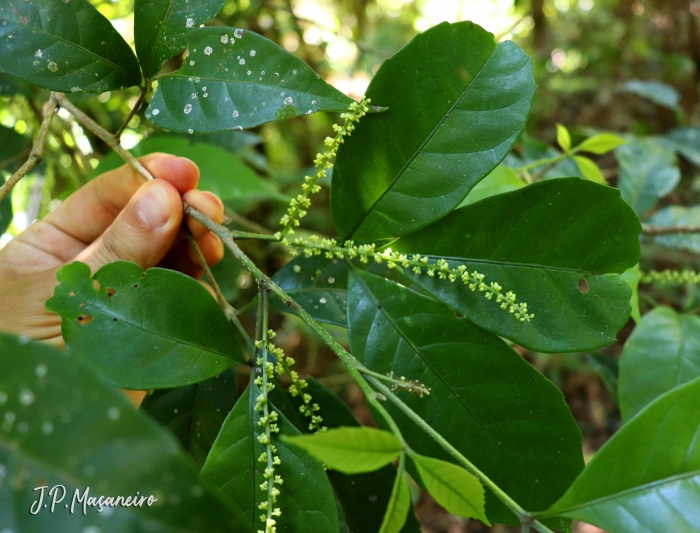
524, 517
659, 230
134, 110
37, 152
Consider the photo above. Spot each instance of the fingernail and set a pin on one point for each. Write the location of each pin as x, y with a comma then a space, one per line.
153, 208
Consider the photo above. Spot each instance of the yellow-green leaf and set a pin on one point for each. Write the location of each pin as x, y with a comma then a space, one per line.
601, 143
399, 503
563, 138
590, 170
458, 491
351, 450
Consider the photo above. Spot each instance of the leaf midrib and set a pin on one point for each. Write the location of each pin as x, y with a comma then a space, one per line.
65, 41
127, 321
390, 319
425, 141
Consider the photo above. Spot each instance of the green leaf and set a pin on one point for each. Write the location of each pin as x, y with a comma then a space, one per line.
502, 179
145, 330
539, 242
457, 490
351, 450
485, 400
12, 149
563, 138
65, 46
590, 170
678, 216
363, 497
399, 502
648, 171
161, 27
654, 91
9, 86
686, 141
195, 413
306, 498
608, 368
221, 172
62, 425
213, 91
632, 277
662, 353
601, 144
226, 274
319, 285
5, 212
646, 478
457, 104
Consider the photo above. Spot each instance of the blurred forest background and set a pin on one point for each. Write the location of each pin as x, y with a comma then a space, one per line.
630, 67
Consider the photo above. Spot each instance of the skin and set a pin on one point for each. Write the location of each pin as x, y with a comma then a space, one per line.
114, 217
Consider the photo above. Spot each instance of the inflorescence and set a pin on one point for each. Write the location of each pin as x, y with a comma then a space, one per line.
671, 276
323, 163
417, 264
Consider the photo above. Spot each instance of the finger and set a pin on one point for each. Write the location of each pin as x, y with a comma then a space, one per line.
211, 247
88, 212
143, 232
209, 204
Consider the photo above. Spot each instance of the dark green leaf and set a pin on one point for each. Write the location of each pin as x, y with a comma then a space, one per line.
195, 413
364, 497
64, 46
236, 79
351, 450
678, 216
608, 368
319, 285
457, 103
455, 489
539, 242
9, 85
486, 400
306, 498
648, 171
654, 91
502, 179
399, 503
662, 353
145, 330
12, 149
646, 478
221, 172
161, 27
62, 425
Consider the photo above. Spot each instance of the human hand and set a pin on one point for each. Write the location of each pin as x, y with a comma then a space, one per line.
114, 217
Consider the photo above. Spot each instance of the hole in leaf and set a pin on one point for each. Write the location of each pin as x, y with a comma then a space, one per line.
115, 319
111, 292
84, 319
96, 284
143, 275
583, 285
136, 286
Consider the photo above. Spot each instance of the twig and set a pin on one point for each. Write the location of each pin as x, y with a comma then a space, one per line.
226, 307
37, 152
658, 230
134, 110
246, 223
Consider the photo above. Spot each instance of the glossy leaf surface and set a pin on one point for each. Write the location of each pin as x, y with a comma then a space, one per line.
64, 46
233, 468
455, 489
662, 353
195, 413
236, 79
485, 400
646, 479
184, 340
457, 104
502, 179
648, 171
319, 285
351, 450
539, 242
61, 424
161, 27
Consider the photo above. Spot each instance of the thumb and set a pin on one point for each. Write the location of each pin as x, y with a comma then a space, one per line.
143, 232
